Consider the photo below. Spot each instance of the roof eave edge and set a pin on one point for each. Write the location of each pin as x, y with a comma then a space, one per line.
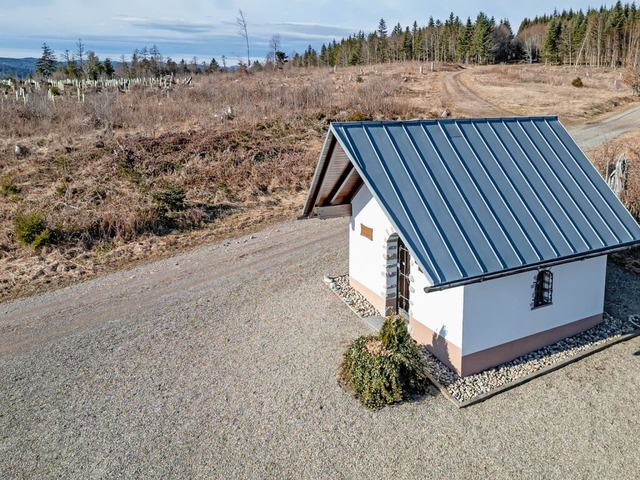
307, 209
531, 267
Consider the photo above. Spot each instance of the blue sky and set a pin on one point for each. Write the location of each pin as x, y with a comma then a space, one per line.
207, 28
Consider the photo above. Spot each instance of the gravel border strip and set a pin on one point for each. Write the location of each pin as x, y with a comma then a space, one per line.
528, 377
466, 391
354, 300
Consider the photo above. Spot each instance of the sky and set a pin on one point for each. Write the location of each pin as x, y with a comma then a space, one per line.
182, 29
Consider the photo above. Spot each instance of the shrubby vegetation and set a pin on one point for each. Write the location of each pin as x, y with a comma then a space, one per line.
386, 368
31, 230
8, 186
119, 165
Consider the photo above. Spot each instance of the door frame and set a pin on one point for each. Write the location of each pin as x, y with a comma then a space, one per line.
403, 281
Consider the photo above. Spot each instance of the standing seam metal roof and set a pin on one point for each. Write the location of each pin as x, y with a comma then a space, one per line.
475, 197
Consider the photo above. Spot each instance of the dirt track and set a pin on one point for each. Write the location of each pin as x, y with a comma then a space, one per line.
593, 134
462, 99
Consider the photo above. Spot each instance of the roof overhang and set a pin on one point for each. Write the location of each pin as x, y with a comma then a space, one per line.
334, 183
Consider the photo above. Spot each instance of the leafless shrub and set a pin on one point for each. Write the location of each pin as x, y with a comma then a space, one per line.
631, 78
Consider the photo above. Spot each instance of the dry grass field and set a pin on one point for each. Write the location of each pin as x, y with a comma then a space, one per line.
548, 90
124, 177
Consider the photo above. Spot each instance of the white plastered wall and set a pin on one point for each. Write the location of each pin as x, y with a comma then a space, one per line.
367, 262
499, 311
439, 311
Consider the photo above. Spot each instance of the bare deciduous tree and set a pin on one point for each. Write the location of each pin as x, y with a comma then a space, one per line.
274, 46
241, 21
631, 77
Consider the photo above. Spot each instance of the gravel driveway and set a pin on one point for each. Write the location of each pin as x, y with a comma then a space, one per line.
221, 363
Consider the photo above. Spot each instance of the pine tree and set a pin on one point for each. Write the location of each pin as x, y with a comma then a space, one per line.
502, 45
481, 39
46, 64
416, 43
550, 44
324, 56
107, 67
407, 45
69, 68
93, 66
171, 66
213, 66
134, 67
355, 55
579, 27
79, 54
463, 47
382, 53
155, 61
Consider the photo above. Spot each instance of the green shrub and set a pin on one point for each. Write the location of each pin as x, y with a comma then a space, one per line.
170, 200
8, 186
577, 82
394, 334
384, 369
31, 230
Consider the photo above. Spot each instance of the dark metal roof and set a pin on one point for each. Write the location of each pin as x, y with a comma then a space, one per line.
475, 198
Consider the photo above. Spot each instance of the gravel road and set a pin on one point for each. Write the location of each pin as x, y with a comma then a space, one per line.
592, 134
221, 363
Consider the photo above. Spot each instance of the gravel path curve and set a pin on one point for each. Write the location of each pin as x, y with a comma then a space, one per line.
593, 134
221, 363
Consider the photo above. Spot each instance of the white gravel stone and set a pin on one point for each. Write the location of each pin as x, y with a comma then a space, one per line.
357, 303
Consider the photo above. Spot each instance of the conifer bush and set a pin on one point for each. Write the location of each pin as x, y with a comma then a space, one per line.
577, 82
386, 368
171, 199
8, 186
31, 230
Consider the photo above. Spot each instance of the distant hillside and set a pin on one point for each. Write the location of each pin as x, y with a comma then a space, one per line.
17, 67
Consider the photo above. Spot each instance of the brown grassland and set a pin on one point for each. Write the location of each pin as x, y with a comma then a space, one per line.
125, 177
